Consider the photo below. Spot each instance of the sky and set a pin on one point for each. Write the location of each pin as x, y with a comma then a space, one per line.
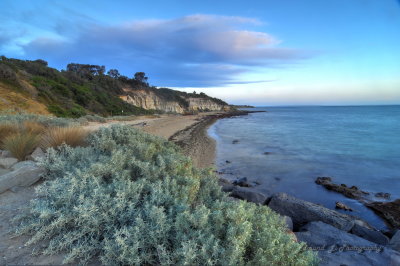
286, 52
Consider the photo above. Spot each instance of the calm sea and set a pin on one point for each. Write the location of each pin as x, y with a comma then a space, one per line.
355, 145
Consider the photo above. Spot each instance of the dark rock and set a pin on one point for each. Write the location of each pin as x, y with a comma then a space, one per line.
336, 247
277, 178
352, 192
226, 185
369, 234
267, 153
249, 195
382, 195
235, 141
228, 161
390, 211
303, 212
242, 182
395, 241
342, 206
288, 222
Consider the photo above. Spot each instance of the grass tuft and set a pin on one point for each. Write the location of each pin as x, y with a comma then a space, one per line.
7, 129
34, 128
21, 145
72, 136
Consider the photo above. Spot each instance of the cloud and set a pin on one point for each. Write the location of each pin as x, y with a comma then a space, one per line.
196, 50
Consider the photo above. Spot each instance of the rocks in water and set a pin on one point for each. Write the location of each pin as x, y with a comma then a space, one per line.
7, 162
228, 161
24, 175
382, 195
342, 206
36, 155
303, 212
242, 182
390, 211
249, 195
226, 184
370, 234
336, 247
395, 241
267, 153
235, 141
350, 192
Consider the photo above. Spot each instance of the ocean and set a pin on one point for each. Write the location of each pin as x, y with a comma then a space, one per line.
286, 148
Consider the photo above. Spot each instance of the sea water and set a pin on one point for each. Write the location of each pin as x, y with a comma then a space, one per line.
286, 148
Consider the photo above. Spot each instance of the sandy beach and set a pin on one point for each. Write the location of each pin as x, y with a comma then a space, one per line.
187, 131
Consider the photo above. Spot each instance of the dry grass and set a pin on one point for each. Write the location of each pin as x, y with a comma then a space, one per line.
33, 127
72, 136
21, 144
6, 130
16, 101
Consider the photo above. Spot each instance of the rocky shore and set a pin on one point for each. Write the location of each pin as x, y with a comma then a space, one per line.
339, 239
195, 141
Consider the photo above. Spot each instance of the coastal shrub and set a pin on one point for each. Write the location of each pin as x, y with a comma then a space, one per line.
21, 145
130, 198
56, 136
95, 118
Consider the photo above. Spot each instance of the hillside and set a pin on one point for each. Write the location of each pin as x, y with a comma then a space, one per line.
81, 89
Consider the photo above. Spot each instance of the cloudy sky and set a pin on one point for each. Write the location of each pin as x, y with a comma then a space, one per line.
263, 52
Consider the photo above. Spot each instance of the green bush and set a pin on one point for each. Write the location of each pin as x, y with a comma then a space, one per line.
133, 199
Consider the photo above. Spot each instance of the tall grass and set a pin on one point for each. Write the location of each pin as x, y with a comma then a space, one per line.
72, 136
21, 145
7, 129
33, 127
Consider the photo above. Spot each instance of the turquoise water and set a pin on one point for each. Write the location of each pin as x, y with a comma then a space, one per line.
354, 145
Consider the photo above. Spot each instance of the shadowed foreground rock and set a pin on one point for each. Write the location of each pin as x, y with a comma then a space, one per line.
336, 247
24, 174
303, 212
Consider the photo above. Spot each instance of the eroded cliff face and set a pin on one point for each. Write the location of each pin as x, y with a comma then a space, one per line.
149, 100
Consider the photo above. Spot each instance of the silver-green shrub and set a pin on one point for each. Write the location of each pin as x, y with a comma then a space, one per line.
130, 198
43, 119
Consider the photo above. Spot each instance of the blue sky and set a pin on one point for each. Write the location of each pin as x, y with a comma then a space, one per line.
257, 52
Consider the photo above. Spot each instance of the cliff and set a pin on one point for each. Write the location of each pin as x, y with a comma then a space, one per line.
174, 102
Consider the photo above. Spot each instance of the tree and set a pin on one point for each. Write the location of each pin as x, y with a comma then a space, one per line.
141, 77
41, 62
114, 73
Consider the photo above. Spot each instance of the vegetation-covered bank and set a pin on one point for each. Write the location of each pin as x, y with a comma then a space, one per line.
132, 198
78, 90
